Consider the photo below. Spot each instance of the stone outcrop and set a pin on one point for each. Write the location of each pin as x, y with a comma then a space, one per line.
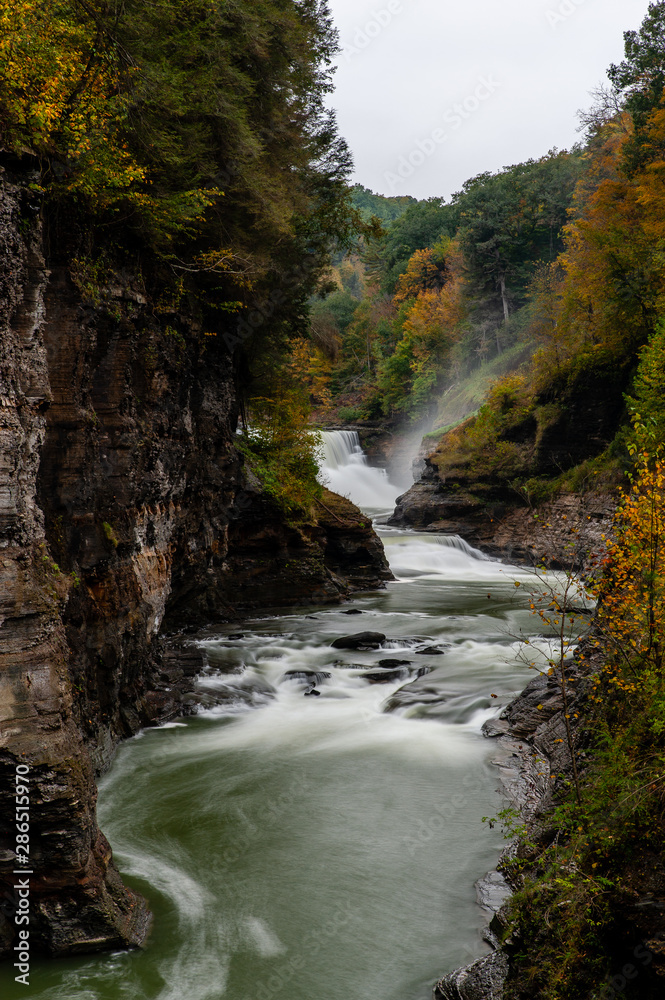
484, 980
125, 515
534, 764
507, 530
78, 900
490, 489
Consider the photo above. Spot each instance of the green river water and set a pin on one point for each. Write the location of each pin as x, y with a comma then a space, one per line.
318, 848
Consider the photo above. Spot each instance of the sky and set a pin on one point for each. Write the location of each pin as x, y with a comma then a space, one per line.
431, 92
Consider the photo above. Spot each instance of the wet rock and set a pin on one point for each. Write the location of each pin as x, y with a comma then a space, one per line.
495, 727
486, 516
312, 693
484, 980
385, 676
361, 640
492, 891
353, 611
388, 664
236, 636
430, 651
537, 704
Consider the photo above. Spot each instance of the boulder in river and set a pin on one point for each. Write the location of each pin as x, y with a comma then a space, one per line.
430, 651
386, 676
483, 980
353, 611
361, 640
390, 664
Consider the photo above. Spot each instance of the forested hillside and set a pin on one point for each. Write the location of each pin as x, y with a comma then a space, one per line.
190, 143
446, 288
191, 285
548, 273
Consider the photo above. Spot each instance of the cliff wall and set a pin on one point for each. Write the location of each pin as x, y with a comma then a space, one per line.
126, 516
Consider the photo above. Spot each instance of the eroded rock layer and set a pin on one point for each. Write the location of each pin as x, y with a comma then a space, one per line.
125, 515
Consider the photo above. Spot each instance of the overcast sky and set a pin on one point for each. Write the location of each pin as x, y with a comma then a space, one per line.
432, 92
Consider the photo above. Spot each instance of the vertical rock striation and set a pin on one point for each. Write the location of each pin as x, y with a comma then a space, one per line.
125, 513
78, 900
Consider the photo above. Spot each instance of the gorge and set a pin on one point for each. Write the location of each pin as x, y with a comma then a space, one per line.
258, 689
281, 839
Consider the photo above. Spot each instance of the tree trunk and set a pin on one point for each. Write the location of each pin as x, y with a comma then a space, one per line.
504, 297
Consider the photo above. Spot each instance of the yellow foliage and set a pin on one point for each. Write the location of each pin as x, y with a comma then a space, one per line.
425, 270
632, 607
60, 90
431, 324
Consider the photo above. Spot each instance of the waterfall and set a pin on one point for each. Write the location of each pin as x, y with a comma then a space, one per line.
345, 470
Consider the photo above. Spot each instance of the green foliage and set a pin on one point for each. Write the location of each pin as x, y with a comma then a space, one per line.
286, 468
647, 402
197, 131
576, 884
279, 446
378, 206
90, 277
63, 95
639, 79
110, 534
420, 226
460, 279
337, 308
349, 414
512, 220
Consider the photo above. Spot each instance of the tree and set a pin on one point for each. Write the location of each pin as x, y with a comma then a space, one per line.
420, 226
198, 130
640, 77
63, 95
426, 271
510, 220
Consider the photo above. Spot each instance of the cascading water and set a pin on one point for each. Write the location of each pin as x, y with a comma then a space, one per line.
316, 830
345, 470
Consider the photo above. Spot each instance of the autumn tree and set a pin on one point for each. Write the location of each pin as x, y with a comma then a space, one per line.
426, 271
196, 130
639, 79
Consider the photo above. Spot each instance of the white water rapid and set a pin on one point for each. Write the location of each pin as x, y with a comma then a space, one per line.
316, 830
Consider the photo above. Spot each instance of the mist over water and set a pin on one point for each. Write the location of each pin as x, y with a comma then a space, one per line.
345, 470
316, 832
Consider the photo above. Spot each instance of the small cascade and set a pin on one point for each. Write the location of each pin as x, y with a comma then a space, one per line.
345, 470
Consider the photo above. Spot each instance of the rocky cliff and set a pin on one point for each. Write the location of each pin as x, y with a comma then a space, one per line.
126, 515
512, 531
487, 478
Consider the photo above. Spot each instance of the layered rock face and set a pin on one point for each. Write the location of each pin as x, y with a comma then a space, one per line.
125, 514
564, 533
77, 898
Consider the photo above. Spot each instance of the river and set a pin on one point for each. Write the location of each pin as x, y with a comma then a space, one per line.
319, 836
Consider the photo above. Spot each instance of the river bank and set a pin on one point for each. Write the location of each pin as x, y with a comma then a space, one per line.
126, 513
370, 782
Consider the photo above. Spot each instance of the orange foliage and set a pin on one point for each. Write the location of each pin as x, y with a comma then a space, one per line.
426, 270
632, 609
